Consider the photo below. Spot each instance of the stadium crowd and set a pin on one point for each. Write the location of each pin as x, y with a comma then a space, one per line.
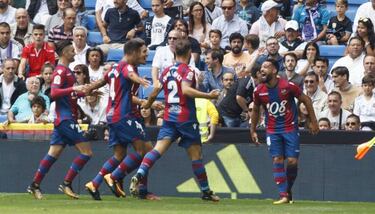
230, 40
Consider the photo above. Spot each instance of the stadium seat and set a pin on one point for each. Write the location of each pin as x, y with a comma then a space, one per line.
94, 38
114, 55
91, 22
332, 50
146, 91
150, 57
90, 4
146, 4
145, 71
350, 2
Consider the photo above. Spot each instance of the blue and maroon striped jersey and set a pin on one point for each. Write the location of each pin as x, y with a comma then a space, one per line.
121, 90
280, 106
178, 107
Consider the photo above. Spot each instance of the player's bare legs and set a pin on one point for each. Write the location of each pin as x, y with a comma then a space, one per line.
195, 153
78, 163
148, 161
44, 166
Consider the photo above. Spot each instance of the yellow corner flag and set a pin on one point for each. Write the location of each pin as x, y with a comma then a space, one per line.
363, 148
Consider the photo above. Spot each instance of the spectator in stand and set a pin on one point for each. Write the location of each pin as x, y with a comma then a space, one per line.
38, 107
9, 48
174, 9
247, 11
269, 24
121, 23
36, 54
272, 48
214, 41
366, 10
353, 61
182, 26
365, 30
11, 87
157, 26
81, 72
22, 29
369, 65
340, 26
7, 12
353, 123
364, 104
94, 108
235, 99
41, 10
237, 58
317, 96
229, 23
324, 124
46, 80
64, 31
149, 117
313, 20
336, 115
349, 92
306, 63
82, 16
290, 63
251, 44
80, 46
320, 68
292, 42
208, 119
211, 79
57, 18
198, 28
21, 109
212, 10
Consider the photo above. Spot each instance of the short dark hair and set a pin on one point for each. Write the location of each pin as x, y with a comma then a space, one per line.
292, 55
47, 65
133, 45
183, 46
97, 50
335, 93
38, 27
216, 31
355, 117
184, 22
341, 70
85, 71
234, 36
273, 62
4, 24
61, 45
253, 40
39, 101
304, 55
325, 120
255, 69
343, 2
358, 38
312, 73
368, 79
216, 54
321, 59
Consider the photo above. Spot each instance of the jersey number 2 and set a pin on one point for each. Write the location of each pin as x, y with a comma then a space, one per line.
172, 95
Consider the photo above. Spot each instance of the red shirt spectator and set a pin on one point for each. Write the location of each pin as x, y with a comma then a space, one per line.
36, 59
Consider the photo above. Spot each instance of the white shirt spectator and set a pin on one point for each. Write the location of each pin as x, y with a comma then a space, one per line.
42, 15
9, 15
13, 50
7, 91
212, 15
79, 58
106, 4
95, 76
355, 67
164, 58
300, 47
96, 114
236, 25
335, 119
364, 11
264, 30
319, 101
159, 26
365, 109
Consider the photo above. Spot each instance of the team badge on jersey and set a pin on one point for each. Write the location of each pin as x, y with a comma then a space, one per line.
59, 71
190, 75
130, 68
57, 80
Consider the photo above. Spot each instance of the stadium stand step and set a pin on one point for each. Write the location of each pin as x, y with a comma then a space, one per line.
114, 55
145, 71
332, 50
350, 13
94, 38
147, 91
146, 4
90, 4
350, 2
91, 23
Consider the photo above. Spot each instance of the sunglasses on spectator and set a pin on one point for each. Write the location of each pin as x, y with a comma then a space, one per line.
227, 8
172, 38
351, 123
228, 79
78, 72
309, 81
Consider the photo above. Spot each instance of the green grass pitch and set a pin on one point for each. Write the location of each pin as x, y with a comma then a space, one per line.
24, 203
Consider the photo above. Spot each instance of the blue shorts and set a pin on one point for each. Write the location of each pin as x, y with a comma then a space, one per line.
285, 144
67, 132
126, 131
188, 131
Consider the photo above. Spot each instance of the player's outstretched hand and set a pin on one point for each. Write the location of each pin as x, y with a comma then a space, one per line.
254, 138
214, 94
157, 105
144, 82
78, 88
313, 127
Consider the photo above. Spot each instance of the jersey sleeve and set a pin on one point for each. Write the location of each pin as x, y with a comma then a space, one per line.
58, 80
187, 74
126, 70
295, 90
256, 97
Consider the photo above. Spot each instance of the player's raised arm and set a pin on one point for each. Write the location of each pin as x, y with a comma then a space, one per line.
95, 85
194, 93
313, 126
152, 97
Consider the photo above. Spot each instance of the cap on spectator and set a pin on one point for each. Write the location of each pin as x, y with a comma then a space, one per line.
269, 4
292, 24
